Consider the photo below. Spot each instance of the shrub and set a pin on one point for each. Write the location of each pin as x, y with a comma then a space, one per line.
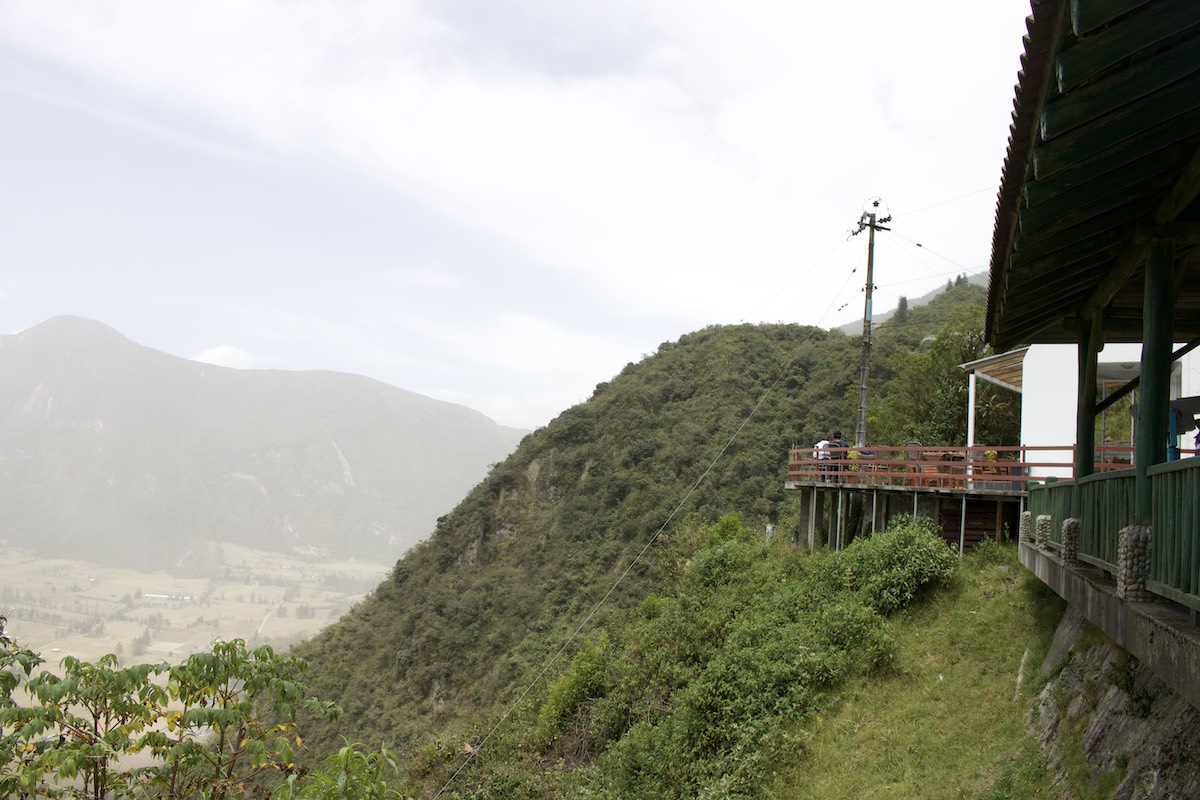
584, 680
890, 569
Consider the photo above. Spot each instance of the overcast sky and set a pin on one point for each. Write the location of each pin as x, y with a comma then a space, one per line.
498, 203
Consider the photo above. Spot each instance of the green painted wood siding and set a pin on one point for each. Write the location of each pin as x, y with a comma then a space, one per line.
1106, 503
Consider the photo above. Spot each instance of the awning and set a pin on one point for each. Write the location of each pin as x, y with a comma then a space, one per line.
1003, 369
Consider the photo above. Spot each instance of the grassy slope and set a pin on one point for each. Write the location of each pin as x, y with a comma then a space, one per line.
948, 721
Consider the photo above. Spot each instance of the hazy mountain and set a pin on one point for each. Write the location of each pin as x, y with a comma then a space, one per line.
112, 451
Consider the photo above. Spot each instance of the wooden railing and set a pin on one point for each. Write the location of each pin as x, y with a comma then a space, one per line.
978, 468
1175, 547
1105, 503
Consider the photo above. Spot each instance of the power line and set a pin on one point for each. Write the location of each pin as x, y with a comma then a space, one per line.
838, 293
992, 188
928, 250
886, 286
474, 751
793, 281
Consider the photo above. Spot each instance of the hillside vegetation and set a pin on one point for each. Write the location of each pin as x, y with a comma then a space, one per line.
702, 427
886, 670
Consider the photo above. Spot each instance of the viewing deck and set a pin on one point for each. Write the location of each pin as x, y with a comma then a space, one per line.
982, 469
977, 492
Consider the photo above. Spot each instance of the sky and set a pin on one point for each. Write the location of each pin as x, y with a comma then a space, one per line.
498, 203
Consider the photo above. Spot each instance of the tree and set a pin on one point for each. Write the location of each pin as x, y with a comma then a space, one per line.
927, 399
82, 722
16, 665
224, 719
350, 772
217, 736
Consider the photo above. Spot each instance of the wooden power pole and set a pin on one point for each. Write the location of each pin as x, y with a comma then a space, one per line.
869, 223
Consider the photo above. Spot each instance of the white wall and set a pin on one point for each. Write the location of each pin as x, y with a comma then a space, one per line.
1048, 404
1050, 383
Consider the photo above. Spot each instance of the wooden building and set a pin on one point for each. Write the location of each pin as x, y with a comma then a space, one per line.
1096, 234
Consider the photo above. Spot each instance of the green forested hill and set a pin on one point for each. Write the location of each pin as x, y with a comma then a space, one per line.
479, 606
470, 616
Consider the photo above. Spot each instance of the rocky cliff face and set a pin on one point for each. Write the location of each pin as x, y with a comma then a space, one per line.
1129, 727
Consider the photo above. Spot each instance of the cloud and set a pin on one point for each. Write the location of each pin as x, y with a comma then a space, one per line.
624, 171
427, 278
656, 151
226, 355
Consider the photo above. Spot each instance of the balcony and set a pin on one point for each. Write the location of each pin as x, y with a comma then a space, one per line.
1105, 503
982, 469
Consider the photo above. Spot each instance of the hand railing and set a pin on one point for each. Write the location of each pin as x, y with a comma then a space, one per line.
978, 467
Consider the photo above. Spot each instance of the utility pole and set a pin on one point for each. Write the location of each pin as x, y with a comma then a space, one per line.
867, 222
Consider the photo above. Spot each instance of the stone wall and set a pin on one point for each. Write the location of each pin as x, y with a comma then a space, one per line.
1128, 723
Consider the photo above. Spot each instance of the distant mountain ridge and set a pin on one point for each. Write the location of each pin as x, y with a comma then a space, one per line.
114, 451
880, 317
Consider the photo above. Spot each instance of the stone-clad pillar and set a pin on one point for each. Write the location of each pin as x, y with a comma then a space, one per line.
1041, 531
1070, 541
1133, 563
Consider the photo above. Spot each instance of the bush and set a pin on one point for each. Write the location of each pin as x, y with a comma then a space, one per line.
890, 569
584, 680
707, 681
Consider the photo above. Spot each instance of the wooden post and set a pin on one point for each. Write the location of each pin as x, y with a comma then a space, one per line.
1085, 415
840, 525
820, 517
1157, 331
962, 526
812, 520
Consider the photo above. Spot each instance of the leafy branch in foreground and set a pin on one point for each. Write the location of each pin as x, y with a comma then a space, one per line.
223, 720
350, 772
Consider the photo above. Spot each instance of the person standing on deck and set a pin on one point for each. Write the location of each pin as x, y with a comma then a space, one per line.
837, 455
821, 454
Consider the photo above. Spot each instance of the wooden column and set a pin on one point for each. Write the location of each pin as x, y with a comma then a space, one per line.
1085, 415
1150, 442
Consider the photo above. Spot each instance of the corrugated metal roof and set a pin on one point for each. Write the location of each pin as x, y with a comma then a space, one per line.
1002, 369
1103, 155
